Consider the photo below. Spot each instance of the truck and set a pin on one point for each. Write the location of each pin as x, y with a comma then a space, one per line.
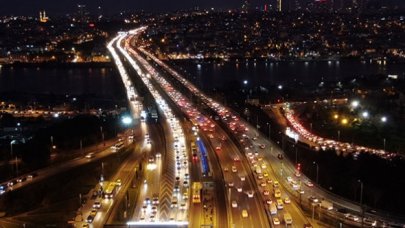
326, 205
287, 219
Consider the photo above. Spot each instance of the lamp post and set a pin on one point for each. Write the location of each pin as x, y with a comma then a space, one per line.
317, 171
361, 201
338, 135
384, 143
102, 135
269, 127
11, 147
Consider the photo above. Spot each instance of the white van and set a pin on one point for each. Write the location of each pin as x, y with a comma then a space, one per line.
287, 219
273, 209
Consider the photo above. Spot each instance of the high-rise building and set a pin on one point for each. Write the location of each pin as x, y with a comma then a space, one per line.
246, 5
42, 17
82, 14
279, 5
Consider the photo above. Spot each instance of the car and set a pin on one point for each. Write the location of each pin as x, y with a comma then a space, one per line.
185, 195
93, 212
158, 155
118, 182
352, 217
234, 204
265, 174
309, 184
266, 192
268, 201
245, 214
90, 155
263, 184
97, 205
275, 184
22, 179
280, 156
297, 174
276, 221
264, 166
287, 200
230, 184
31, 176
250, 194
226, 169
242, 178
289, 179
269, 181
370, 222
152, 217
86, 225
144, 207
313, 199
234, 170
155, 200
280, 204
239, 189
260, 176
90, 219
236, 159
307, 225
262, 146
277, 193
183, 206
300, 191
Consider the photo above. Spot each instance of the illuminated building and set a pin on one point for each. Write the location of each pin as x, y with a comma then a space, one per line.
42, 17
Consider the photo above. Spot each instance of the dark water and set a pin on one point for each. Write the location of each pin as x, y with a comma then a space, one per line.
101, 82
383, 180
261, 73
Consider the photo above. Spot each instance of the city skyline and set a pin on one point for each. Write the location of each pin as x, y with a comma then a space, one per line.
20, 7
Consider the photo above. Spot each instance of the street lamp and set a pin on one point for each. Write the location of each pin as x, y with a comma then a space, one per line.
361, 201
269, 126
383, 119
365, 114
384, 143
355, 104
317, 171
11, 147
102, 134
127, 120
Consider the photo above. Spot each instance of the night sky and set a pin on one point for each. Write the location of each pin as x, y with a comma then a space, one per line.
58, 7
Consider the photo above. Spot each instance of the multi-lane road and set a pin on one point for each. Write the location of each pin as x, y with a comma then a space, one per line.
244, 179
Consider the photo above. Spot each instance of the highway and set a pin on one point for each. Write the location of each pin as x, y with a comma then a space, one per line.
255, 177
292, 208
43, 174
281, 170
253, 205
175, 175
125, 174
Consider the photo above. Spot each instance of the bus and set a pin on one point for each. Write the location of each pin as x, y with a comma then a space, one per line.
197, 186
117, 146
110, 190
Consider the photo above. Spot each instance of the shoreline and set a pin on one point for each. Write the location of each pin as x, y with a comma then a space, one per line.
59, 65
